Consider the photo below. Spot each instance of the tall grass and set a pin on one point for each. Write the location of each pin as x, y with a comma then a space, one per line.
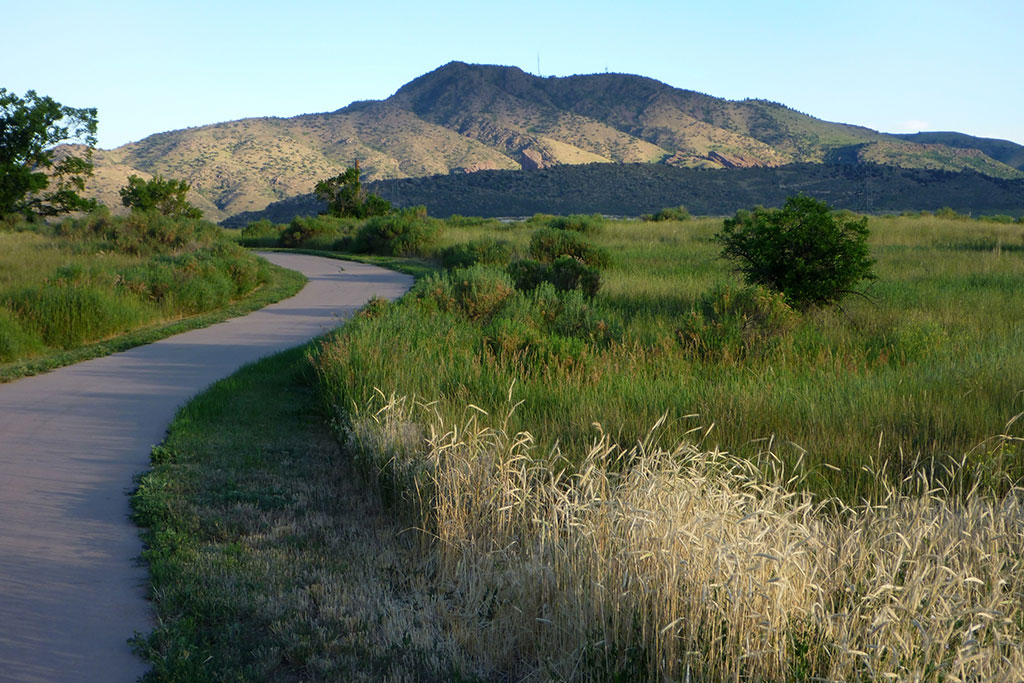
88, 279
925, 370
680, 563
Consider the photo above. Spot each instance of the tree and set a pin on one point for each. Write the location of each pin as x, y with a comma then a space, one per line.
805, 251
157, 194
30, 128
345, 196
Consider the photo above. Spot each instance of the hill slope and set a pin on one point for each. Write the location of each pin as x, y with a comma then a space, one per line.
463, 117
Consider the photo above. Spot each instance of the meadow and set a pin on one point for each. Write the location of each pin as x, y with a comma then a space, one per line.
91, 285
676, 478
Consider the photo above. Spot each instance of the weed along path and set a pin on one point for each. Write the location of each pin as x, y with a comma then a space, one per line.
71, 441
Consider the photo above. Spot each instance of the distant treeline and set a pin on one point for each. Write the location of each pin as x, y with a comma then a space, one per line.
635, 189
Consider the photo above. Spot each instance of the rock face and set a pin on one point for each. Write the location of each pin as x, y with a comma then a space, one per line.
732, 160
532, 160
479, 166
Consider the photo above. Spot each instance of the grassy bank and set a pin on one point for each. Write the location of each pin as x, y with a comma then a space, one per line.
270, 560
100, 284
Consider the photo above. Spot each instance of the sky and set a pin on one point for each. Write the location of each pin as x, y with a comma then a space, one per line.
896, 66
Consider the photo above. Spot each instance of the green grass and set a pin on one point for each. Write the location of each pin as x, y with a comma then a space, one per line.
96, 285
921, 374
269, 560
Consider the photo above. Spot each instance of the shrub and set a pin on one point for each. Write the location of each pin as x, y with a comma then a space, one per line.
578, 222
488, 251
569, 273
802, 250
672, 213
547, 244
731, 323
321, 231
478, 292
527, 274
260, 233
406, 233
997, 218
481, 291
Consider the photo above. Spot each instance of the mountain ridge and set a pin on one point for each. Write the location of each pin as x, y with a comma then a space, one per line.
465, 118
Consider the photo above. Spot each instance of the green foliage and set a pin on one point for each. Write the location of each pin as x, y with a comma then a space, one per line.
64, 315
672, 213
732, 324
140, 233
547, 244
166, 196
578, 222
803, 250
15, 341
567, 273
260, 233
324, 232
477, 292
346, 198
528, 274
30, 128
406, 233
487, 250
115, 274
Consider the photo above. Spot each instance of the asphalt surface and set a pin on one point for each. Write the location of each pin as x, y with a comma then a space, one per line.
71, 441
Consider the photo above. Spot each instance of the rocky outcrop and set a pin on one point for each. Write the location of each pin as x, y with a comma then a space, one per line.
478, 166
532, 160
732, 160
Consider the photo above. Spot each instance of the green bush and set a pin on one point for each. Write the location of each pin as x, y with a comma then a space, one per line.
481, 291
527, 274
569, 273
565, 274
140, 233
547, 244
997, 218
671, 213
488, 251
323, 232
477, 292
578, 222
261, 233
410, 232
735, 323
803, 250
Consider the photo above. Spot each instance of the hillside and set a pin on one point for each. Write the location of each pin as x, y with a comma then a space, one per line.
462, 117
634, 189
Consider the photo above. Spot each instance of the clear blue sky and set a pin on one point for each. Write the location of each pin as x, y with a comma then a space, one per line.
895, 65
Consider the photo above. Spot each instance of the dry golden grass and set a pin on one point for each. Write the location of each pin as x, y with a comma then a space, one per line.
658, 563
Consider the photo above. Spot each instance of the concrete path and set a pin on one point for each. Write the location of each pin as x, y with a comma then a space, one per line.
71, 440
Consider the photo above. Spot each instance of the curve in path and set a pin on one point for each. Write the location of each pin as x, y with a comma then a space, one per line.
71, 440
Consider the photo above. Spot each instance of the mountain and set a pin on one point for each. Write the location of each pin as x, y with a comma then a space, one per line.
464, 117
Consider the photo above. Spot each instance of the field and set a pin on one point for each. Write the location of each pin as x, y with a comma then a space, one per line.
675, 479
96, 284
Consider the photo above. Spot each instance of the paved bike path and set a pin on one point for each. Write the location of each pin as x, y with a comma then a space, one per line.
71, 440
